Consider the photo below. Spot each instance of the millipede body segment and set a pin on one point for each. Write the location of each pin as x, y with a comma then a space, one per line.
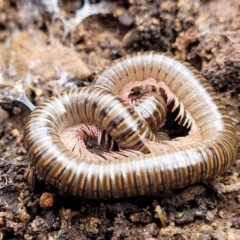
144, 171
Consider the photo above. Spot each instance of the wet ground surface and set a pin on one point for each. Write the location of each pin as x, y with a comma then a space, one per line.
52, 56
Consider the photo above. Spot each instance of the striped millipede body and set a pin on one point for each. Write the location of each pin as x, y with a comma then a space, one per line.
170, 167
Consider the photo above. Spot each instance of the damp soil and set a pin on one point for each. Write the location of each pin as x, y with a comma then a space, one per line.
47, 47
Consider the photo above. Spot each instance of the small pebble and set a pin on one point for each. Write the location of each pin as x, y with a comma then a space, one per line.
15, 132
126, 19
3, 115
46, 200
210, 216
214, 225
204, 233
19, 158
219, 236
16, 110
206, 229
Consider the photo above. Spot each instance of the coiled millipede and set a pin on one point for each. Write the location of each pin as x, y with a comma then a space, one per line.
165, 165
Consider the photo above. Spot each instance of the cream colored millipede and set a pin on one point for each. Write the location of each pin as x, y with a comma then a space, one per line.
165, 165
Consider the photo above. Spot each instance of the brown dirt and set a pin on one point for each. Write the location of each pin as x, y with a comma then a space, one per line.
204, 33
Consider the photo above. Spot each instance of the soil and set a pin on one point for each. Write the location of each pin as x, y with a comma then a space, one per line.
44, 46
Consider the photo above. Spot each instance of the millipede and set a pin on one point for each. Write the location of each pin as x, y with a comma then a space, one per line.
144, 163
